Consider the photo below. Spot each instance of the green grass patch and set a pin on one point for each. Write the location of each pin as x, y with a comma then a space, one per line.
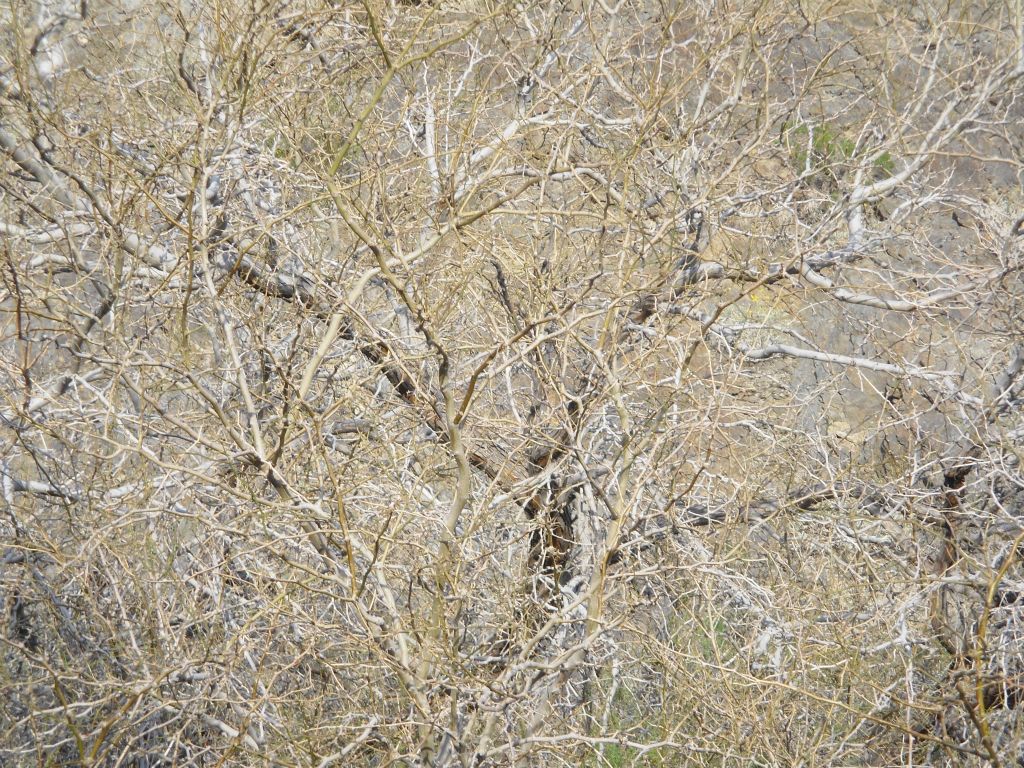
826, 149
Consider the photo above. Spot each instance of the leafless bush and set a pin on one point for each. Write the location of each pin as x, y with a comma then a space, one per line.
543, 384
